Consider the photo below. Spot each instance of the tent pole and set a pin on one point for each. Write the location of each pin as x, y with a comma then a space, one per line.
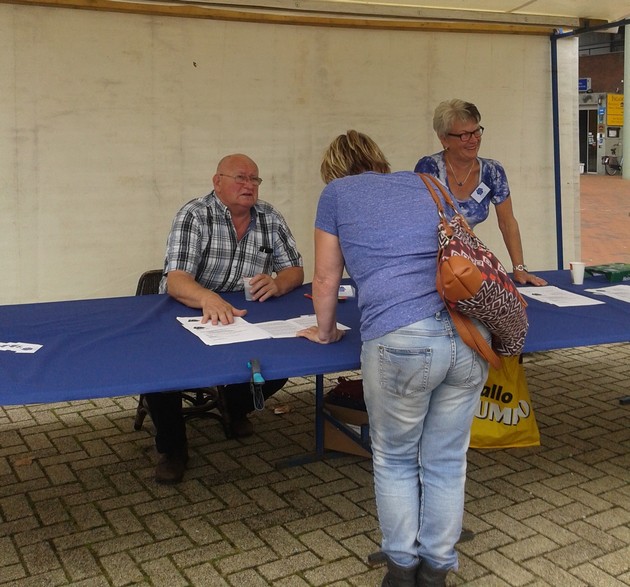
556, 151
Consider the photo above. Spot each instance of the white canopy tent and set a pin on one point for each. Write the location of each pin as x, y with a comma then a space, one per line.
525, 13
114, 113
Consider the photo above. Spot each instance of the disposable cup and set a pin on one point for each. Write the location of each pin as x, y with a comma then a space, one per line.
248, 289
577, 272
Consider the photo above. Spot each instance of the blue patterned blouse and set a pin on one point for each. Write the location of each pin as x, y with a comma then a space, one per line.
493, 185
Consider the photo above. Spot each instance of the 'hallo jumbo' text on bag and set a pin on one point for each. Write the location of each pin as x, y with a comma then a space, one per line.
505, 414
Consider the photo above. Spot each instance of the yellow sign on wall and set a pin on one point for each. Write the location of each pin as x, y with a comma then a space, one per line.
614, 110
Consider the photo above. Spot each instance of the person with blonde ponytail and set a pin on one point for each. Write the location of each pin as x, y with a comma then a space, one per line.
421, 382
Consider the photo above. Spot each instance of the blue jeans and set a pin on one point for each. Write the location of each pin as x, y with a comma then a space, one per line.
422, 385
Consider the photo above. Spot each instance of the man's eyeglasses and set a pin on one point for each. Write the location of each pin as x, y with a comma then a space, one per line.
243, 179
466, 136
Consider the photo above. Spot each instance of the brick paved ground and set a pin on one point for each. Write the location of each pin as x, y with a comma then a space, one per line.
605, 219
78, 505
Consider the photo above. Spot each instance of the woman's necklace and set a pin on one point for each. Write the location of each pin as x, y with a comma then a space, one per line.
460, 183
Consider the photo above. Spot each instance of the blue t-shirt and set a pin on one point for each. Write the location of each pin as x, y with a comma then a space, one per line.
387, 230
493, 185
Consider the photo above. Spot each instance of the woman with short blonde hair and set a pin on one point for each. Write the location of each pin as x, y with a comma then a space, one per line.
350, 154
421, 382
476, 182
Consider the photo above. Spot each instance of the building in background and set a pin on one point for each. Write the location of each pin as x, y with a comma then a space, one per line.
601, 87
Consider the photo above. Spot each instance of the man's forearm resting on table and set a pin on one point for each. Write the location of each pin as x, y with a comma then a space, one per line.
183, 287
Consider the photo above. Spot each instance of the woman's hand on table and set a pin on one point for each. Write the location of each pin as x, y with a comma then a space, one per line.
524, 277
313, 334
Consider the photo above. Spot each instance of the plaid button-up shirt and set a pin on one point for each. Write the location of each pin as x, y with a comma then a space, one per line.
203, 242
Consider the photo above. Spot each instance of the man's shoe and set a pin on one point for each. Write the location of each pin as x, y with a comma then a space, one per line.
170, 468
241, 427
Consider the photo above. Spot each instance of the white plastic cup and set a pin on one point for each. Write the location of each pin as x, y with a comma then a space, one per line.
577, 272
248, 289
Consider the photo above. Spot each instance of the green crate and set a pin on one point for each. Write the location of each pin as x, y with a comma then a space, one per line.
614, 272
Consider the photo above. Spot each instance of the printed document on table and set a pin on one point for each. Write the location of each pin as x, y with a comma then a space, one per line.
550, 294
618, 292
280, 328
20, 347
214, 334
243, 331
289, 328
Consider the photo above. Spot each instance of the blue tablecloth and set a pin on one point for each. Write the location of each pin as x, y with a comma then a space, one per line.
131, 345
551, 327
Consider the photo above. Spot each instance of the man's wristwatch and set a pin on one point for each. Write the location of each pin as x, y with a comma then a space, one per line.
520, 267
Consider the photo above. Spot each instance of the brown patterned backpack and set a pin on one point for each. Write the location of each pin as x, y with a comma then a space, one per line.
474, 284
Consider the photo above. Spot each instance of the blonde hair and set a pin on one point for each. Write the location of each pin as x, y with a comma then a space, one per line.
350, 154
449, 111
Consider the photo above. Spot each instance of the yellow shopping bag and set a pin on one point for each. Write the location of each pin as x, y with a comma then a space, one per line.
505, 416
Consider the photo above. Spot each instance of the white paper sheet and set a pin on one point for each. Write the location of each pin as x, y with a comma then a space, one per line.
280, 328
215, 334
20, 347
242, 331
619, 292
550, 294
308, 320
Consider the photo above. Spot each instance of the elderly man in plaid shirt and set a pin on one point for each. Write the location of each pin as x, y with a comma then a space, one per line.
214, 242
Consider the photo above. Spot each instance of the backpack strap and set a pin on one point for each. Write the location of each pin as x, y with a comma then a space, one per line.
430, 182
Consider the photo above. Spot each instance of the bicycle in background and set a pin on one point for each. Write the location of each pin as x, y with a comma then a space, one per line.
612, 164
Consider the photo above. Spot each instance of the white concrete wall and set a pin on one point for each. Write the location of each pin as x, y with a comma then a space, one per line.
110, 122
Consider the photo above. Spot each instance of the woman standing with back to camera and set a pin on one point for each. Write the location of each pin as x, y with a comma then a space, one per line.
421, 382
475, 182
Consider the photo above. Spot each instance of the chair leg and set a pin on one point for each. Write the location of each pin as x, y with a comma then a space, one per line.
141, 413
225, 413
207, 403
201, 403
